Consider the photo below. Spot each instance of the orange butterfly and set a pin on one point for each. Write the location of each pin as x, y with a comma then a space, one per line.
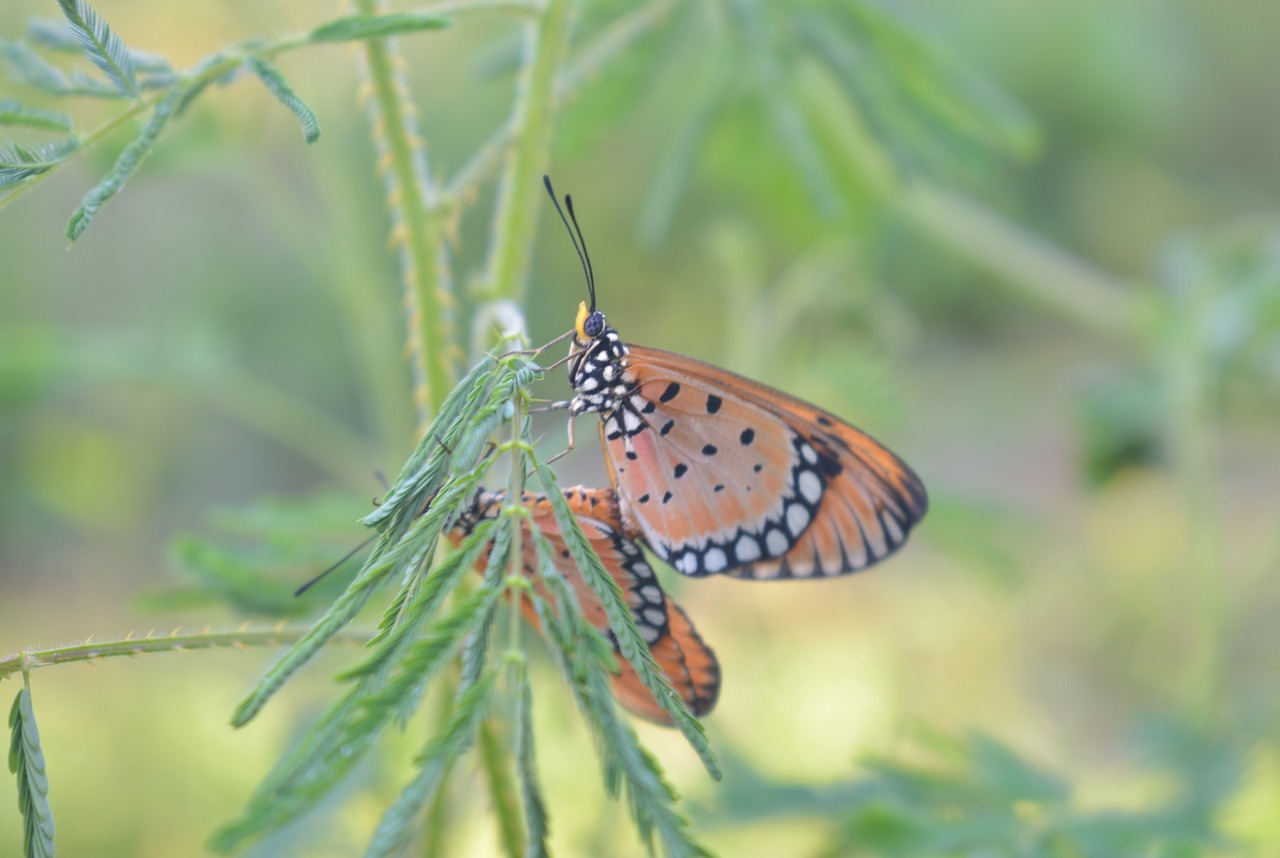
721, 474
689, 664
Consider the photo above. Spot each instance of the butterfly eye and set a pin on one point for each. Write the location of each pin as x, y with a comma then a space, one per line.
594, 325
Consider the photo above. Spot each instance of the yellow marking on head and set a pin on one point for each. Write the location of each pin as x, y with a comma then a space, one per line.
583, 312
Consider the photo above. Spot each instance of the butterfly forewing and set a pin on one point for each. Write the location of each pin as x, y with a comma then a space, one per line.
722, 474
689, 664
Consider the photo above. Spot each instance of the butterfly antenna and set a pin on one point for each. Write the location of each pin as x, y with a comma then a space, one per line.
316, 580
586, 257
582, 256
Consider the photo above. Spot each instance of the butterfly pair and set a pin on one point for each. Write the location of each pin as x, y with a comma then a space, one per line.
717, 474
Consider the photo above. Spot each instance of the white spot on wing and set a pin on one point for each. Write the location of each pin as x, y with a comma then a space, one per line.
776, 542
797, 519
651, 594
714, 560
809, 455
654, 616
747, 548
810, 486
631, 421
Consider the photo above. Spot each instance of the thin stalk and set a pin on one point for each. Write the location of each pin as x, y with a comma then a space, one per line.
418, 237
546, 41
175, 641
605, 47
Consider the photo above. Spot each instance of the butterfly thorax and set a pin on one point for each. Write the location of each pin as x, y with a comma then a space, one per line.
598, 374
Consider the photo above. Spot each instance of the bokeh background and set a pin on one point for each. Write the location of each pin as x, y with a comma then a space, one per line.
1031, 246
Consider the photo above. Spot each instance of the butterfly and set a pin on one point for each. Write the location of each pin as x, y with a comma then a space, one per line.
721, 474
689, 664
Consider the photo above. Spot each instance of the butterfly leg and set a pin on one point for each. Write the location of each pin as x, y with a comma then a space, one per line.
566, 450
540, 349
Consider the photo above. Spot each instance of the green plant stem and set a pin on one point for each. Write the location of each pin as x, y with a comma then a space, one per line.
546, 42
417, 234
613, 41
175, 641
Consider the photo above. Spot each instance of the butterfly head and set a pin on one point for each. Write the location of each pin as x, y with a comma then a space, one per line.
589, 324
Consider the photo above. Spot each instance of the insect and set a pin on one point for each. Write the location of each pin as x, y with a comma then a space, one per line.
689, 664
721, 474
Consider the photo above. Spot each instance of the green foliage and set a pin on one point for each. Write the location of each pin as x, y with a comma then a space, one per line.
16, 113
170, 93
401, 821
294, 539
586, 659
535, 808
128, 161
630, 642
279, 87
977, 797
26, 760
101, 45
18, 163
357, 27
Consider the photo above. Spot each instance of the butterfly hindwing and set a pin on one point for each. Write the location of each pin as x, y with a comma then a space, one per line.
722, 474
689, 664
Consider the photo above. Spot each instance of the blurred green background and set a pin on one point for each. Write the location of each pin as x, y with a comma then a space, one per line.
1053, 285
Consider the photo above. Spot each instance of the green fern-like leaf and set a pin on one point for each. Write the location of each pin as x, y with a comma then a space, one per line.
128, 161
388, 685
356, 27
630, 642
26, 760
101, 44
398, 824
19, 163
16, 113
26, 66
279, 87
585, 658
535, 809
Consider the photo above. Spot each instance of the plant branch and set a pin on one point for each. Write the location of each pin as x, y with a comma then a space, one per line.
417, 236
29, 659
613, 41
546, 41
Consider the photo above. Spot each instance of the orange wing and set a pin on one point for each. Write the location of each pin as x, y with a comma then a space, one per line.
722, 474
689, 664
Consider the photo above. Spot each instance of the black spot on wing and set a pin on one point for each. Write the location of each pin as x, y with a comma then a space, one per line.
672, 391
709, 450
713, 403
748, 435
680, 470
667, 427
